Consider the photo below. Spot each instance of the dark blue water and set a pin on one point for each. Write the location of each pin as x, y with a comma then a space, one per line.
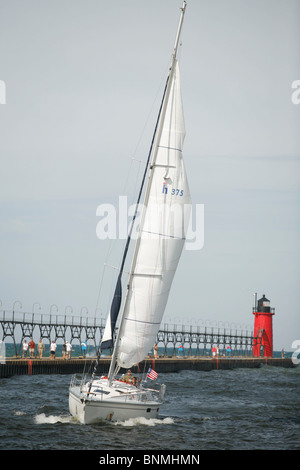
238, 409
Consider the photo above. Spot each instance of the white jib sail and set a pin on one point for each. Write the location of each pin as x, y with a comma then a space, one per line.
162, 235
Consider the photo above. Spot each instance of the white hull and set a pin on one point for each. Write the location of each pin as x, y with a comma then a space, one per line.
119, 402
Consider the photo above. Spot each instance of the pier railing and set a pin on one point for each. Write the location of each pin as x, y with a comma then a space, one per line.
196, 339
49, 319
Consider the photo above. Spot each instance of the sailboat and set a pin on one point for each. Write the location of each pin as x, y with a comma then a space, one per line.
158, 246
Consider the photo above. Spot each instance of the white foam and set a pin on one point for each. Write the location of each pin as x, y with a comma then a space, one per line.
19, 413
144, 421
43, 419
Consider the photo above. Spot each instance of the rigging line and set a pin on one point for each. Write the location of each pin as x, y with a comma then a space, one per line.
105, 266
127, 177
100, 286
145, 362
133, 158
152, 106
143, 179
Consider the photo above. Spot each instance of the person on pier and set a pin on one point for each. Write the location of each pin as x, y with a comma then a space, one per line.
68, 349
40, 348
31, 345
25, 348
52, 350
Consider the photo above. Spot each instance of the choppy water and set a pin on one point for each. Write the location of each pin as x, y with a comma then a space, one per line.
237, 409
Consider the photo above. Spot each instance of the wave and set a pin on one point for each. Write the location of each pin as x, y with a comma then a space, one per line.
51, 419
144, 421
42, 418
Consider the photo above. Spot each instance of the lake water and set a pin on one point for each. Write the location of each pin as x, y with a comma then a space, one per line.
241, 409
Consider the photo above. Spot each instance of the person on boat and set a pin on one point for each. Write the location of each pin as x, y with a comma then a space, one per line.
134, 381
130, 379
127, 377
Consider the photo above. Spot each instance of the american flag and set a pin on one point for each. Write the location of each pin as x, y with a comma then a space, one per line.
152, 374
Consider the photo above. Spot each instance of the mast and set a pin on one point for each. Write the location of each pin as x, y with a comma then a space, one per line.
179, 30
156, 138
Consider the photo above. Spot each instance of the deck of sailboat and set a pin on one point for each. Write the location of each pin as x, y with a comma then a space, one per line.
117, 391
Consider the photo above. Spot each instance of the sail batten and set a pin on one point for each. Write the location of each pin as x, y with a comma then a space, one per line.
144, 322
162, 235
170, 148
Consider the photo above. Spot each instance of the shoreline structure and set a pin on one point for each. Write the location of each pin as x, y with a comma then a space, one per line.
14, 366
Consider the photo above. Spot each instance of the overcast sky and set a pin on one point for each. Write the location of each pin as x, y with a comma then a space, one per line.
83, 83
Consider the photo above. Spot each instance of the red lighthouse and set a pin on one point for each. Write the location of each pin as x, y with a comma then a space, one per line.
263, 328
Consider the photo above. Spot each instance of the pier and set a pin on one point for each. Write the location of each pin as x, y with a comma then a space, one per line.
13, 366
197, 341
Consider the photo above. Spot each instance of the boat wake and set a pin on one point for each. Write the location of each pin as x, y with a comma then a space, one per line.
51, 419
19, 413
42, 418
144, 421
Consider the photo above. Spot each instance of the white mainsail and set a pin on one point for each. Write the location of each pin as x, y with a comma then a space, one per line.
161, 237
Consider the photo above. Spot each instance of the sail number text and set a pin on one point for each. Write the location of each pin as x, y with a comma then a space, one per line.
174, 191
